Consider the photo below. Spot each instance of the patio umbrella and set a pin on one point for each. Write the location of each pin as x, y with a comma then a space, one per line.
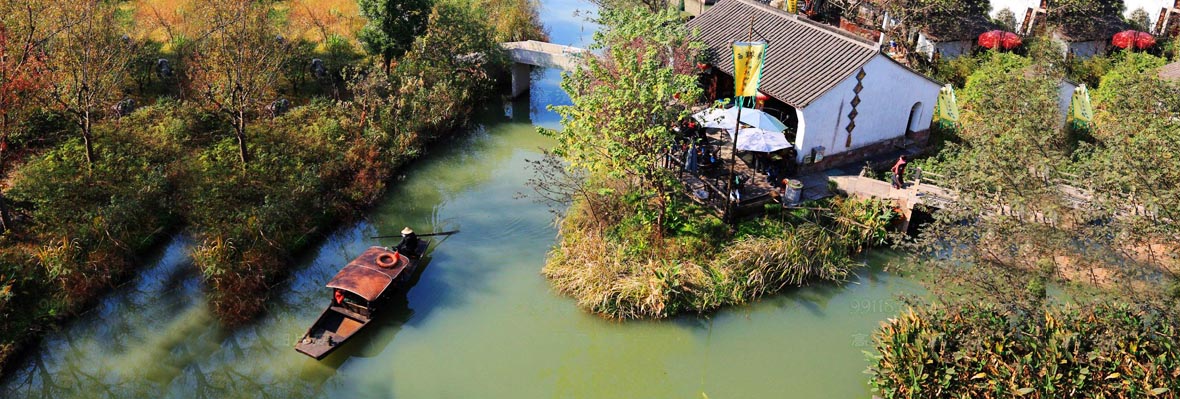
724, 119
999, 39
715, 118
1129, 38
759, 140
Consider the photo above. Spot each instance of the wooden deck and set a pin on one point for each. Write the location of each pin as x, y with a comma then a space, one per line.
707, 186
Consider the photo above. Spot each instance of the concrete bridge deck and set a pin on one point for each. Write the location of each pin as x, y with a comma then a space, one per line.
531, 53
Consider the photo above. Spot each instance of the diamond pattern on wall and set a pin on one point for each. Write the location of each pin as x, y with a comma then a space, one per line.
860, 76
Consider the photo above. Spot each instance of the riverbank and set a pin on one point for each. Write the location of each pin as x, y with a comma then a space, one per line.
619, 271
81, 225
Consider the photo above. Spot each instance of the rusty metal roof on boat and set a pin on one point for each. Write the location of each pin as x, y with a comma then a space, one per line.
804, 58
364, 277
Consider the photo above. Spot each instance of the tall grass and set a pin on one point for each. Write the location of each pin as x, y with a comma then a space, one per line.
700, 267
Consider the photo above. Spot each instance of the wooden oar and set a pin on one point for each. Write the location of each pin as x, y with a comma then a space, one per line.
445, 233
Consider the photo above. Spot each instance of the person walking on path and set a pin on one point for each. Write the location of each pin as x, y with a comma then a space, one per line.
899, 173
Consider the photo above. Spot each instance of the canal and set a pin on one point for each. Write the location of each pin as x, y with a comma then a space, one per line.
481, 322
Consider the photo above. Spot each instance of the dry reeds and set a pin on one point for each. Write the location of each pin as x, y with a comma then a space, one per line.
607, 279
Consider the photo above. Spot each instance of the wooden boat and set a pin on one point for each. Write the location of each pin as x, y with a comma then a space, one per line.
357, 291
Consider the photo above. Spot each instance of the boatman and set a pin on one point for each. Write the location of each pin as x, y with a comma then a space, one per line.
409, 244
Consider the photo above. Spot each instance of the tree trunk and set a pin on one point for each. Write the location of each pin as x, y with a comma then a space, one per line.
240, 130
5, 219
86, 140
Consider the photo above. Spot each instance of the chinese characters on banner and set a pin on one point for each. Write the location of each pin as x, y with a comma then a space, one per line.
747, 66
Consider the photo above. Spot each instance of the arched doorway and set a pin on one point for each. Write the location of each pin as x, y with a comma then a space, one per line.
912, 124
915, 113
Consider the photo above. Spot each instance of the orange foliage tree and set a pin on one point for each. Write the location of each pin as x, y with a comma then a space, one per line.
88, 61
22, 75
237, 65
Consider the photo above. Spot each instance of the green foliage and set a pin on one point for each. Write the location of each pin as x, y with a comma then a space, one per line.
1127, 68
624, 104
958, 69
172, 164
1006, 19
1099, 351
392, 25
514, 20
89, 221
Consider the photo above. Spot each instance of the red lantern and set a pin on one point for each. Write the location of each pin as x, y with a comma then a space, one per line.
760, 99
999, 39
1133, 38
702, 66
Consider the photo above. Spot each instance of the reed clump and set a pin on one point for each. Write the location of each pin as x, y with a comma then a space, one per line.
702, 265
1106, 350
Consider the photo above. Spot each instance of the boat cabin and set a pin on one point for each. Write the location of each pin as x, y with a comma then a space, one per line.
356, 291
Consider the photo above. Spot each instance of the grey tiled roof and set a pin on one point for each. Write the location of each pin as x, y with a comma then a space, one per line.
804, 58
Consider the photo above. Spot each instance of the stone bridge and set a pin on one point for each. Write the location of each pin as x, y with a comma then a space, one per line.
531, 53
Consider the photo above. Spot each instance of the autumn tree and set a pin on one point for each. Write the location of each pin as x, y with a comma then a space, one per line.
1084, 15
88, 61
1004, 167
22, 76
1006, 19
1139, 20
848, 9
910, 17
515, 20
1135, 164
392, 27
625, 102
238, 62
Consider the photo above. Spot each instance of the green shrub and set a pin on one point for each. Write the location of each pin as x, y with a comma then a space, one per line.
1098, 351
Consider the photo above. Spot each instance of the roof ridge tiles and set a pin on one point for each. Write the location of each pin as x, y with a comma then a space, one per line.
821, 27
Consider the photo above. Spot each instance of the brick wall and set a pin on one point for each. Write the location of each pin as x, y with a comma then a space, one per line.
857, 29
857, 156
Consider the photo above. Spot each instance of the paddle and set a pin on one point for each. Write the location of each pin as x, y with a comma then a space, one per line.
445, 233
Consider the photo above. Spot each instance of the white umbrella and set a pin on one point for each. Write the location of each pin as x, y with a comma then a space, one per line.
715, 118
724, 119
759, 140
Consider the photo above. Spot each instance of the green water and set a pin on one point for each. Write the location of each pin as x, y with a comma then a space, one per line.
481, 322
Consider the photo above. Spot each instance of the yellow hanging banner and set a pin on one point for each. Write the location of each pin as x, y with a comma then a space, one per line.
747, 67
792, 6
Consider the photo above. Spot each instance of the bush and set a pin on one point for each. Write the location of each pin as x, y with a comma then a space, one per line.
1097, 351
617, 271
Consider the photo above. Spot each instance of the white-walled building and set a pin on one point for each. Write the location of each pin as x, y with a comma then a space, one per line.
955, 39
843, 98
1161, 14
1082, 40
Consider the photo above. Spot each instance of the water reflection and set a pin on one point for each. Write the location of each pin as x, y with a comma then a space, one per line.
479, 321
